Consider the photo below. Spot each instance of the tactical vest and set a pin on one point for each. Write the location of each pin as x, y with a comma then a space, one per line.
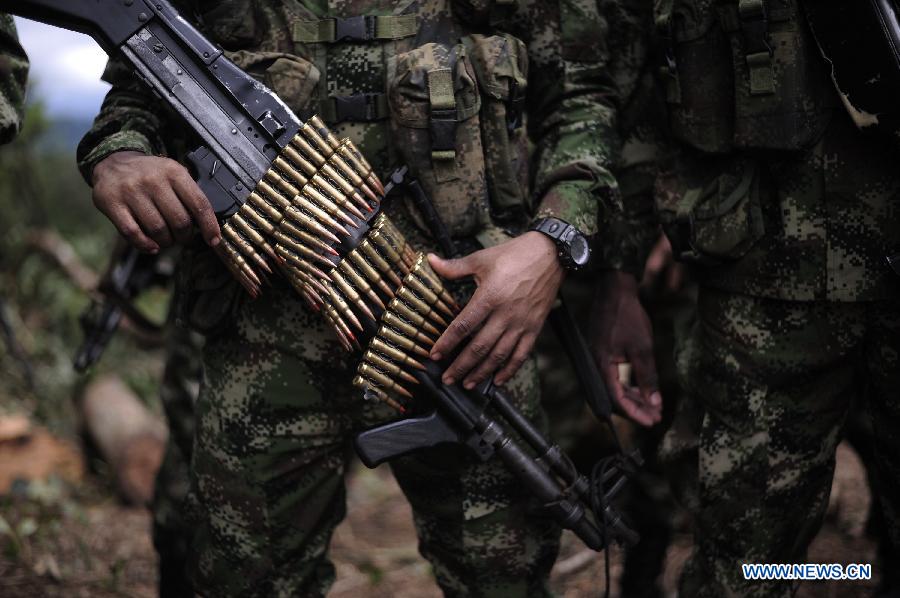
410, 82
743, 75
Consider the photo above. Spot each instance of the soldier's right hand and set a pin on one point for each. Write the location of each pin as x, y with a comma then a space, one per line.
153, 201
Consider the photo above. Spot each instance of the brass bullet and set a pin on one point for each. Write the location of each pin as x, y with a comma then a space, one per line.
324, 131
238, 260
286, 168
340, 165
306, 167
285, 187
369, 271
249, 286
397, 323
245, 247
351, 294
295, 252
391, 369
310, 154
341, 306
316, 140
259, 202
356, 160
407, 313
335, 195
311, 281
430, 277
330, 207
384, 246
427, 294
338, 322
370, 386
395, 354
376, 258
406, 295
250, 233
275, 197
251, 213
311, 241
313, 226
367, 371
395, 338
299, 262
319, 214
346, 267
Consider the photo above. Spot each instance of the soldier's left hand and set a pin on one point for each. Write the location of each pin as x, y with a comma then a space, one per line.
517, 284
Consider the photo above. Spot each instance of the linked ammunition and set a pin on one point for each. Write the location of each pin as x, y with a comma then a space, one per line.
289, 229
346, 267
426, 294
389, 368
351, 294
286, 168
301, 251
330, 207
248, 231
278, 200
240, 263
395, 338
324, 132
367, 371
404, 327
369, 271
251, 213
303, 201
336, 195
245, 247
406, 295
384, 246
378, 260
410, 315
340, 305
312, 225
308, 153
395, 354
297, 159
371, 387
284, 187
260, 203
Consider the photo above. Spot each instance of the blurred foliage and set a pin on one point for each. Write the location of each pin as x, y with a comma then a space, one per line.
41, 189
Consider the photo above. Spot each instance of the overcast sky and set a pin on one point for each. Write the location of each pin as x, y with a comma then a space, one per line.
65, 69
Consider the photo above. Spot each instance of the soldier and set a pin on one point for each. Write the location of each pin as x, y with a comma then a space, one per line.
13, 75
785, 211
436, 85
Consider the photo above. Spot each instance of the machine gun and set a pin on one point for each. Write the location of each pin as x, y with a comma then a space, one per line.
129, 274
295, 199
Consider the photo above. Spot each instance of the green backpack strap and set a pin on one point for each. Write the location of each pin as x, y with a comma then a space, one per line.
359, 29
442, 122
754, 22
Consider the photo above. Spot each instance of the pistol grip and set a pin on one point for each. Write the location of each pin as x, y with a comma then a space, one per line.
396, 439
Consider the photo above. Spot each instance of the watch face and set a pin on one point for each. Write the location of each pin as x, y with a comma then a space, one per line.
580, 251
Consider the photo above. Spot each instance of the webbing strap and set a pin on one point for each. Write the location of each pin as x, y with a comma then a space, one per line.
360, 107
442, 123
361, 29
755, 25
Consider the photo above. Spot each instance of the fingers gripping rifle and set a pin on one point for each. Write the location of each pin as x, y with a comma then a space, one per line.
295, 200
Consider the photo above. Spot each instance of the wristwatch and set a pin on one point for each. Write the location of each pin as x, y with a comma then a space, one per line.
573, 249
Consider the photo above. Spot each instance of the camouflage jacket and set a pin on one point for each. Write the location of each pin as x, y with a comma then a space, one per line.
773, 191
13, 75
546, 59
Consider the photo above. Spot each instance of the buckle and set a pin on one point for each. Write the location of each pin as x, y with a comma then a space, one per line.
516, 107
359, 29
359, 107
442, 124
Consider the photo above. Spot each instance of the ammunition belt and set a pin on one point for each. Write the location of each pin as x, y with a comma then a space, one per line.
315, 218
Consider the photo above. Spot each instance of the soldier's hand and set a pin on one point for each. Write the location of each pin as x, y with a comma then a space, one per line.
517, 285
622, 334
152, 201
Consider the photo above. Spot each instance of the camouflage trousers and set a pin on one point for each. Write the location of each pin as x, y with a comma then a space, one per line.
769, 386
275, 416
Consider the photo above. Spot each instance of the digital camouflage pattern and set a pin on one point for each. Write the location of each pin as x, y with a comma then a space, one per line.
13, 76
276, 409
785, 211
770, 386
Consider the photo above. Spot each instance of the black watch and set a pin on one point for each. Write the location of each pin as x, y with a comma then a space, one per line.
573, 249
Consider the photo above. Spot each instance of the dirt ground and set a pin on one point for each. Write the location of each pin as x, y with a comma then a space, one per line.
90, 546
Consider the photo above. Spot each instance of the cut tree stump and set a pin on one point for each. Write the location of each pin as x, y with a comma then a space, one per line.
130, 438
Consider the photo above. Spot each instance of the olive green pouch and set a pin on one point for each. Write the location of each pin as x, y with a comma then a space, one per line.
435, 104
713, 220
501, 68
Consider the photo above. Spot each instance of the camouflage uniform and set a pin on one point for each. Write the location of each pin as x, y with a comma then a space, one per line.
13, 74
276, 408
786, 210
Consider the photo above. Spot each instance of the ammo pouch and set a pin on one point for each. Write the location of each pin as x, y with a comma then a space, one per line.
501, 67
435, 105
711, 220
742, 74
